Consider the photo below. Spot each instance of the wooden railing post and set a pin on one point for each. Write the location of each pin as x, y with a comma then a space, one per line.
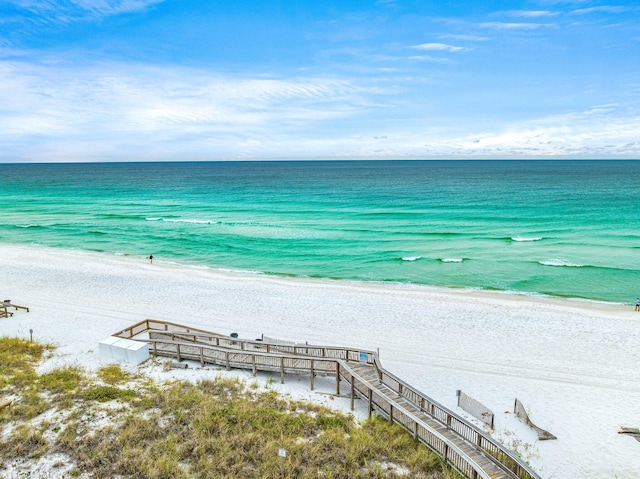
312, 375
353, 391
281, 369
337, 378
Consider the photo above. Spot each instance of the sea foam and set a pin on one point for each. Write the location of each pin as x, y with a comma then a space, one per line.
178, 220
521, 239
560, 262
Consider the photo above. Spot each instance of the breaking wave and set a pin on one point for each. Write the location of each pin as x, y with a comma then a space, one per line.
560, 262
194, 221
521, 239
452, 260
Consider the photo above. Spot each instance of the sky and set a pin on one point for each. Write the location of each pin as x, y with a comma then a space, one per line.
158, 80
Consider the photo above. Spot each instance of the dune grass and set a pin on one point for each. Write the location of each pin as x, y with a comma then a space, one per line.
112, 423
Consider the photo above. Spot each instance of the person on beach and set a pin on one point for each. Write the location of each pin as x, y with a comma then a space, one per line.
151, 259
638, 304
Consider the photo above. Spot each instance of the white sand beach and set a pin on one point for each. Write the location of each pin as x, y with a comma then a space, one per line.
573, 364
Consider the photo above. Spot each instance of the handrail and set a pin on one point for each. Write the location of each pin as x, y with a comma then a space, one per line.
418, 422
350, 354
511, 463
462, 427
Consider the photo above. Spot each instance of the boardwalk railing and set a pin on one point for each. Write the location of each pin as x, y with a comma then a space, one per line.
456, 423
182, 342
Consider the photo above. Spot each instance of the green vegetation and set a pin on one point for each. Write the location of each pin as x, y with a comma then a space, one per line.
113, 424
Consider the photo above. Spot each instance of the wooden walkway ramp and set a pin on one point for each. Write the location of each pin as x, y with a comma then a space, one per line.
460, 443
4, 308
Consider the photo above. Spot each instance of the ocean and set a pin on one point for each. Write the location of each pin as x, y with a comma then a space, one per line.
558, 228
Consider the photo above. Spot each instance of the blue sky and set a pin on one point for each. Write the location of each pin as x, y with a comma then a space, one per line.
117, 80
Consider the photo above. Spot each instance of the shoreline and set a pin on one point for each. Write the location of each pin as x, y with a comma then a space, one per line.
573, 364
507, 295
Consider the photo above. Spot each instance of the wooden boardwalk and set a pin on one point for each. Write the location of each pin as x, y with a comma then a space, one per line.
460, 443
4, 309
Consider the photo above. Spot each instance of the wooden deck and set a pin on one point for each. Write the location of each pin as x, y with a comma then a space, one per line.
460, 443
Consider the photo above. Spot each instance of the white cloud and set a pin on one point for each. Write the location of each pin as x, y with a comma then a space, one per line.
600, 9
439, 47
119, 105
562, 2
514, 25
429, 58
134, 111
123, 111
533, 13
468, 38
115, 7
605, 130
74, 10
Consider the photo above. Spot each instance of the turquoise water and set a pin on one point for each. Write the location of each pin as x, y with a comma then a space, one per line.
560, 228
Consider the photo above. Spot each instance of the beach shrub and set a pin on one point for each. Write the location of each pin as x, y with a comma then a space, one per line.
113, 374
19, 358
214, 428
64, 379
109, 393
23, 442
30, 404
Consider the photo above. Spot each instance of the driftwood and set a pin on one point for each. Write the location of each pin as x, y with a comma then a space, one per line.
5, 403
